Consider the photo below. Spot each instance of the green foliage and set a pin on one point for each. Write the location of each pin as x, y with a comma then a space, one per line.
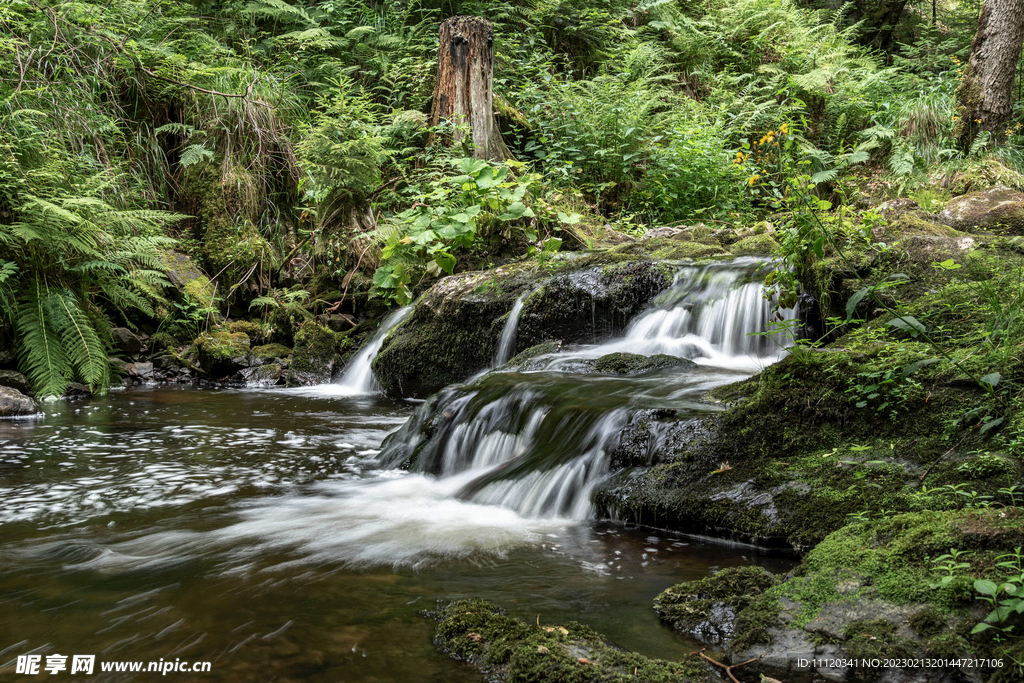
484, 197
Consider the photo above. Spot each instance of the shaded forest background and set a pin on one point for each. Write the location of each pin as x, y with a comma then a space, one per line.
286, 146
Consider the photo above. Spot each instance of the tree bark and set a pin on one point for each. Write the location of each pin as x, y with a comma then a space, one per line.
985, 95
464, 95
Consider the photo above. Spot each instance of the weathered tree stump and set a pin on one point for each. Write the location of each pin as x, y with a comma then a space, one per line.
464, 94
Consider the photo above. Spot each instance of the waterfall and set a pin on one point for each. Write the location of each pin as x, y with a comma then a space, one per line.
539, 441
507, 343
358, 377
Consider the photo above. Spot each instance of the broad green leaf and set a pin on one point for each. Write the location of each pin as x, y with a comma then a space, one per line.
908, 324
914, 367
991, 424
851, 304
992, 378
446, 261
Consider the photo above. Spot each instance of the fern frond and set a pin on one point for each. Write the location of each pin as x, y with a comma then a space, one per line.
80, 340
42, 356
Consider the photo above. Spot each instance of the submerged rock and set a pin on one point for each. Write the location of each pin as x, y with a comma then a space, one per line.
13, 403
508, 649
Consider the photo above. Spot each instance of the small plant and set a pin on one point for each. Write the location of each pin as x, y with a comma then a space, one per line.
952, 563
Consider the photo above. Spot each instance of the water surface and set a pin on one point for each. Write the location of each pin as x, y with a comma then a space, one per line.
255, 529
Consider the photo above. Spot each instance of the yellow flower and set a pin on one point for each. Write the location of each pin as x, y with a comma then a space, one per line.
752, 179
977, 120
784, 128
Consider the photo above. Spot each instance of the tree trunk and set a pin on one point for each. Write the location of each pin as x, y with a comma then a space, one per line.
985, 95
464, 94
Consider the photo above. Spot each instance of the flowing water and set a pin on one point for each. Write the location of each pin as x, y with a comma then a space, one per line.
507, 342
263, 531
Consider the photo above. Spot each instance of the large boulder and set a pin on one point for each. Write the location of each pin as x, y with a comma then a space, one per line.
998, 210
13, 403
126, 341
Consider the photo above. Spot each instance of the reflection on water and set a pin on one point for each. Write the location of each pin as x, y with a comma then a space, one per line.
253, 528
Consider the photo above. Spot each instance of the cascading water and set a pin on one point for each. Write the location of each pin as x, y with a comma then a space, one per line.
507, 343
539, 438
358, 378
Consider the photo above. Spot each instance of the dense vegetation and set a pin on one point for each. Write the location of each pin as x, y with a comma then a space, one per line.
285, 145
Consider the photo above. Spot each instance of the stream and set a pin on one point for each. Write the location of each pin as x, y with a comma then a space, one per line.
264, 530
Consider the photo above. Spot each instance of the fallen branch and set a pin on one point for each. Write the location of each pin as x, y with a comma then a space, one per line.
728, 668
225, 95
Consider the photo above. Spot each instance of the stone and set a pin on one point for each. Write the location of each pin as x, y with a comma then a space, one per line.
998, 210
143, 370
126, 340
13, 403
14, 380
661, 232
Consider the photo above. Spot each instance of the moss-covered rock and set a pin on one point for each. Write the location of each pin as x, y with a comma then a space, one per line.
999, 210
270, 352
755, 245
900, 587
706, 609
315, 356
253, 331
509, 650
455, 328
222, 354
224, 202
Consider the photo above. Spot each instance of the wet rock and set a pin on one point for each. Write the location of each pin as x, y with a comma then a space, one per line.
14, 380
76, 390
999, 210
126, 340
263, 375
453, 332
13, 403
636, 364
268, 353
651, 433
534, 351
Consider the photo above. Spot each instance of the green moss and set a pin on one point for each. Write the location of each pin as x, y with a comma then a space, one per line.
271, 351
315, 355
222, 353
515, 652
869, 639
755, 245
706, 608
163, 341
534, 351
250, 329
200, 291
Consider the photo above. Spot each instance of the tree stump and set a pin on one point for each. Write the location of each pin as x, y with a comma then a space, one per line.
464, 93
